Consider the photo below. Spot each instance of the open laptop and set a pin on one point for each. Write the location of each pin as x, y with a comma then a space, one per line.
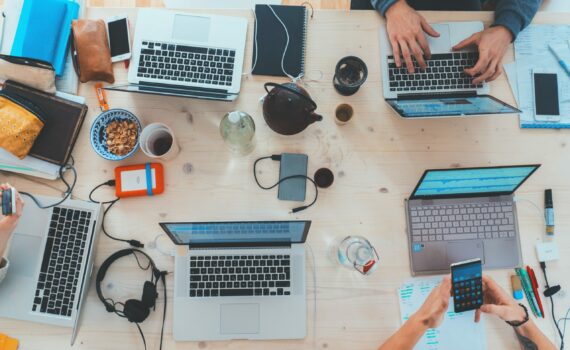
442, 89
460, 214
51, 260
239, 280
188, 55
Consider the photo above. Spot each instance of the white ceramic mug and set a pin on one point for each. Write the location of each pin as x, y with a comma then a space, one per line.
157, 141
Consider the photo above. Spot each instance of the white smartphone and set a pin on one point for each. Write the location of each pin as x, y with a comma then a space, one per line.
546, 100
119, 38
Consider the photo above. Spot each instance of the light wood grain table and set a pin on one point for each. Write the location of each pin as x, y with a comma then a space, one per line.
377, 160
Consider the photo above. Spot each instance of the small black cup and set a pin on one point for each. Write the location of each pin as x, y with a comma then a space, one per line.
324, 177
350, 73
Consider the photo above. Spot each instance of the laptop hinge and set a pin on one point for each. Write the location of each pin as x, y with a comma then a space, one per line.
431, 95
182, 87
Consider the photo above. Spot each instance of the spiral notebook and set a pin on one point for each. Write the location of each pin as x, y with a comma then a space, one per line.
271, 40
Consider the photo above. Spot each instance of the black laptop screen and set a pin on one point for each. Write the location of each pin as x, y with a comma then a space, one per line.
223, 233
450, 106
472, 181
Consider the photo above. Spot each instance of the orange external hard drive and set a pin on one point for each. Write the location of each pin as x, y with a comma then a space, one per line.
139, 180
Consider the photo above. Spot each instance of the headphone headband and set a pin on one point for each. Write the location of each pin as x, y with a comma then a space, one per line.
108, 262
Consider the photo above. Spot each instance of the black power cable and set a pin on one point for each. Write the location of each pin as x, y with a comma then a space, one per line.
277, 157
549, 292
68, 190
132, 242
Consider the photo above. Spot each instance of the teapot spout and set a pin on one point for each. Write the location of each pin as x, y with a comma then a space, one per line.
316, 117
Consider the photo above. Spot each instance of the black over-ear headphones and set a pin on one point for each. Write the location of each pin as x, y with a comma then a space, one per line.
134, 310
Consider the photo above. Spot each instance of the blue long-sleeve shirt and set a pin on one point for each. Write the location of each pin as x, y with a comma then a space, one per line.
514, 15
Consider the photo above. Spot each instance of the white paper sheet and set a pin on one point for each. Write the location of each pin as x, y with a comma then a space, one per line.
531, 52
458, 331
217, 4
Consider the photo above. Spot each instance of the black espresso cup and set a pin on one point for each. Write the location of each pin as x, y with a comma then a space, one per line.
350, 73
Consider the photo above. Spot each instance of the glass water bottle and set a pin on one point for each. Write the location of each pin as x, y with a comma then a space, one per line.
238, 130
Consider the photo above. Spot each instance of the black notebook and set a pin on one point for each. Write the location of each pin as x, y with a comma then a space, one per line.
63, 120
271, 40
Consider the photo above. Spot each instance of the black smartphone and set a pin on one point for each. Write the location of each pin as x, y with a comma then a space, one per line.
467, 284
293, 189
9, 201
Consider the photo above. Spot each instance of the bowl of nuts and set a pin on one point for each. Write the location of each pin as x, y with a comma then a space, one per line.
115, 134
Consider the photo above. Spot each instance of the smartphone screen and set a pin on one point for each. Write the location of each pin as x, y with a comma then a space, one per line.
546, 94
467, 284
119, 37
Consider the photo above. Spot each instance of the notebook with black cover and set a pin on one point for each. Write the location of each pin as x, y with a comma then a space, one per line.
271, 40
63, 120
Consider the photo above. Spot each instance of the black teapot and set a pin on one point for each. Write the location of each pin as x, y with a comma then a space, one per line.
288, 108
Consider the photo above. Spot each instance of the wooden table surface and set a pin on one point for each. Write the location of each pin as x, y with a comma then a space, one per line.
377, 160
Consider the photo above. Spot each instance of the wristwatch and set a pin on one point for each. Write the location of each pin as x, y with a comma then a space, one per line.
520, 323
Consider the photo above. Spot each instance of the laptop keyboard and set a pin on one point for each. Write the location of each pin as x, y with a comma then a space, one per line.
240, 275
445, 71
62, 262
191, 64
462, 221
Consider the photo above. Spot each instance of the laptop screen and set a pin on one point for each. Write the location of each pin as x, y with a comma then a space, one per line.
450, 106
237, 233
472, 181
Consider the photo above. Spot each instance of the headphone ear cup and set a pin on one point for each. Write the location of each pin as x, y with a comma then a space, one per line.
135, 311
149, 294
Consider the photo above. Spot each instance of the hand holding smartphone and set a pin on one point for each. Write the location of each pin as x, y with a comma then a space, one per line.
467, 285
9, 201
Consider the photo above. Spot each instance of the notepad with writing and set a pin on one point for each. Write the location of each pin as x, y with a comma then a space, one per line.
272, 39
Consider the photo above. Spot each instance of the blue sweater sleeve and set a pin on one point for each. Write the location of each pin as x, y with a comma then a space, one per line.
515, 15
382, 5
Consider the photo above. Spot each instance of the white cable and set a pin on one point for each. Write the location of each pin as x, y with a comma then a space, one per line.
540, 212
314, 295
255, 43
154, 245
286, 47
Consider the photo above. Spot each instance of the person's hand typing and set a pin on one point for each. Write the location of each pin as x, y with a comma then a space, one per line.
433, 309
406, 30
497, 302
492, 44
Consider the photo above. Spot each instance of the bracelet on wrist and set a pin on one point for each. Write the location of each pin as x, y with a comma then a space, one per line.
517, 324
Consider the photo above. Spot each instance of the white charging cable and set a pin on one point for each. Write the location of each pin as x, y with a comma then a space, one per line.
154, 245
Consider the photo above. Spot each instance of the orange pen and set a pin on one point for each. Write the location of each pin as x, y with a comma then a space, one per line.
101, 97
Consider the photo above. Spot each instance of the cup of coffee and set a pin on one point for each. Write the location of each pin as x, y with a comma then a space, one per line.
158, 141
343, 113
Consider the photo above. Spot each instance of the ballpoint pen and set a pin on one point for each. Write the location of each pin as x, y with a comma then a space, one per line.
562, 63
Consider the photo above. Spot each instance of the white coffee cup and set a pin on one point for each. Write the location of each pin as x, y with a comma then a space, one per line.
157, 141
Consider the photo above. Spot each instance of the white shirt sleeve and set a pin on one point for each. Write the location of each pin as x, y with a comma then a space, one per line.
4, 265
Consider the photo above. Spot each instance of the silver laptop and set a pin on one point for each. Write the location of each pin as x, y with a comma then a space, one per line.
442, 89
188, 55
239, 280
461, 214
51, 260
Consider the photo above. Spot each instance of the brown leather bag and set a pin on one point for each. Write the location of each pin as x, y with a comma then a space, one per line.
93, 57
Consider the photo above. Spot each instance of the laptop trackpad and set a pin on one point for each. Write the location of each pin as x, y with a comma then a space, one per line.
191, 28
24, 255
441, 44
459, 251
239, 318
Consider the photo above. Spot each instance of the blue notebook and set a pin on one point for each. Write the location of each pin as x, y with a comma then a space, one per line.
44, 29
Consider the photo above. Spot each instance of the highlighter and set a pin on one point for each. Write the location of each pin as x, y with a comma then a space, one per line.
517, 287
549, 212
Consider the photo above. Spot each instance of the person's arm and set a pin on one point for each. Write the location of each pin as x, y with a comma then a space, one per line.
430, 315
499, 303
515, 15
382, 5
